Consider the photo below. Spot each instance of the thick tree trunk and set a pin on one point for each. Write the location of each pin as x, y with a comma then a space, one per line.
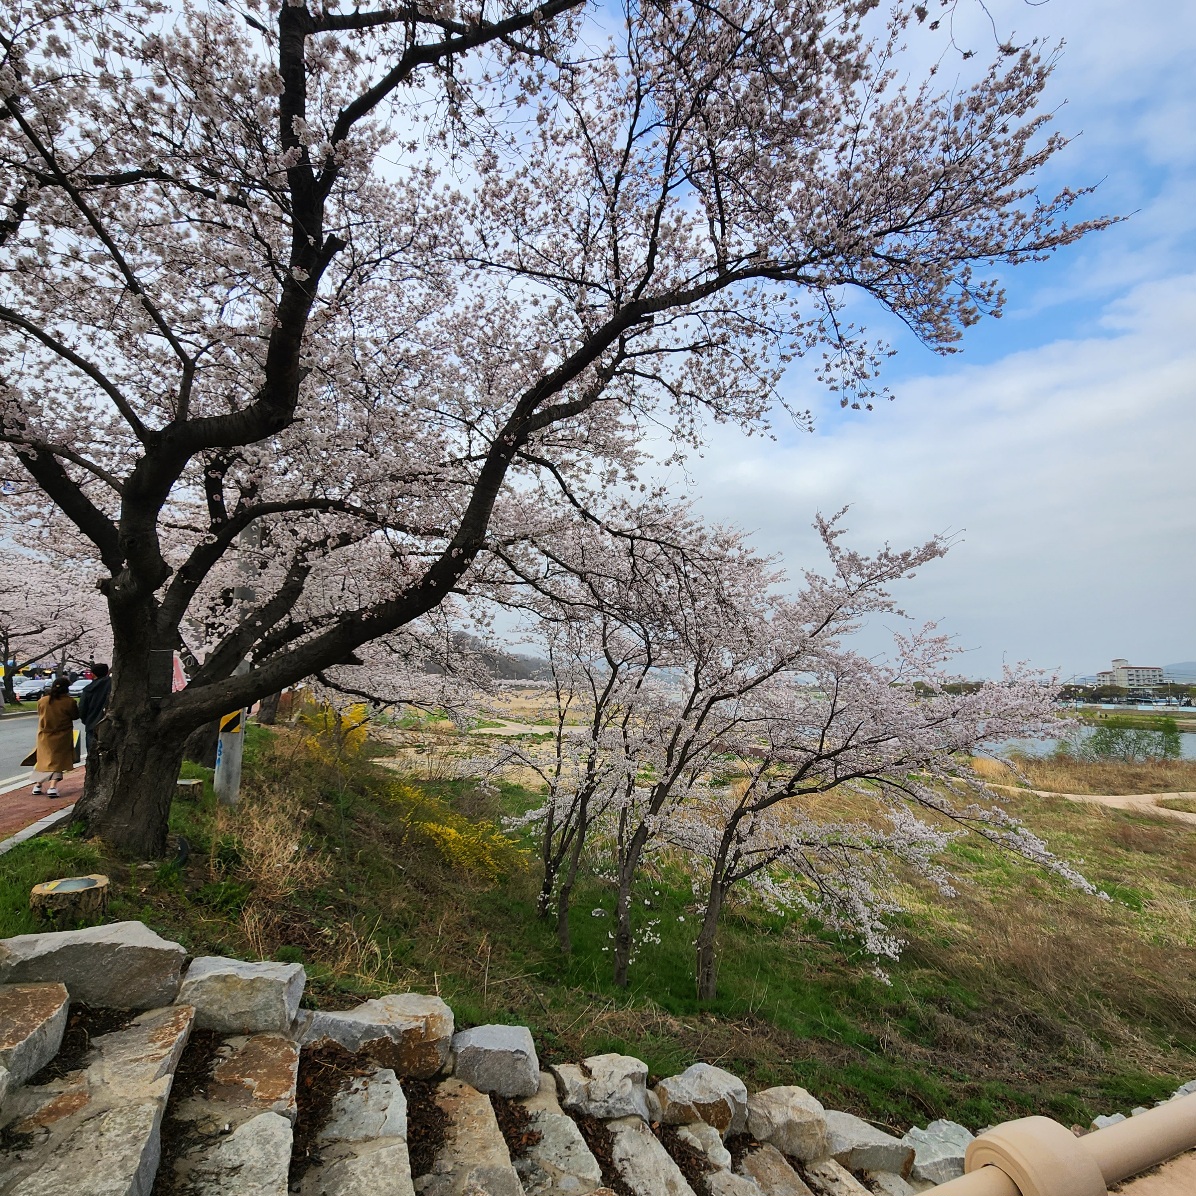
132, 774
131, 778
707, 962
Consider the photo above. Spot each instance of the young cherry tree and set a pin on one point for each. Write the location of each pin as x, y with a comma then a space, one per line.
843, 724
350, 281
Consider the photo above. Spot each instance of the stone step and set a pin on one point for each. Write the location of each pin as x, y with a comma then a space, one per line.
830, 1178
363, 1144
474, 1160
642, 1162
769, 1169
97, 1130
32, 1021
560, 1163
232, 1131
123, 965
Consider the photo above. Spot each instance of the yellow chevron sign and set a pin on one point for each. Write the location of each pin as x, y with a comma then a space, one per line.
230, 724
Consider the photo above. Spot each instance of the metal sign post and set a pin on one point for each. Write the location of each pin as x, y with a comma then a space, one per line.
229, 750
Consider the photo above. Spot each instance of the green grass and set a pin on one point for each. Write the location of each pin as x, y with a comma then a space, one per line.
1019, 996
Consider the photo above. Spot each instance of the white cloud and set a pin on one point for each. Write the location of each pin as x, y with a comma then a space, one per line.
1068, 471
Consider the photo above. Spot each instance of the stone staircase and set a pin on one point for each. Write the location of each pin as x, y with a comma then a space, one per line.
128, 1070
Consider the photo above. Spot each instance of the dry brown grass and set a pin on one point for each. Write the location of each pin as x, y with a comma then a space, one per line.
275, 853
1060, 774
1076, 996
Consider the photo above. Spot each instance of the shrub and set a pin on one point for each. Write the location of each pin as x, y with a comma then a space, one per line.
1126, 740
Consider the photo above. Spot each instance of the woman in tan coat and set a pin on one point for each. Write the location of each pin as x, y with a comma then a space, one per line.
56, 713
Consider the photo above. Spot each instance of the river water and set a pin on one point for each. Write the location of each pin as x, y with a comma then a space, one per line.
1046, 747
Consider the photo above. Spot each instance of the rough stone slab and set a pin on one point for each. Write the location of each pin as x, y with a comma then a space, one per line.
474, 1160
767, 1166
889, 1183
938, 1150
253, 1160
643, 1163
606, 1086
704, 1093
141, 1058
859, 1146
561, 1163
232, 997
259, 1072
1185, 1089
32, 1019
114, 1153
791, 1119
1100, 1121
410, 1033
124, 965
499, 1059
708, 1140
370, 1107
379, 1168
829, 1178
724, 1183
38, 1110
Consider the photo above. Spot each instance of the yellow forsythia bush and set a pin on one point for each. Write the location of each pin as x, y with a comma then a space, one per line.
479, 848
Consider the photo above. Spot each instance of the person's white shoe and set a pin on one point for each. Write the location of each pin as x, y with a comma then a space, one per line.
37, 791
51, 792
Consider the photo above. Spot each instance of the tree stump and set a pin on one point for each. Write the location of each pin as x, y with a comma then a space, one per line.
189, 790
71, 898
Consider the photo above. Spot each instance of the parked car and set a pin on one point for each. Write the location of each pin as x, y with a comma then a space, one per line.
77, 687
29, 689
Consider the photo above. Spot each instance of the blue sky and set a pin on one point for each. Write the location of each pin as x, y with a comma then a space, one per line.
1060, 445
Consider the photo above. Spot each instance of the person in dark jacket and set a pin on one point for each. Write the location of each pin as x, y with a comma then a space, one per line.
93, 701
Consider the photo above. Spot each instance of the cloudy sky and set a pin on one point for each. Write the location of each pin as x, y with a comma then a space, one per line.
1059, 446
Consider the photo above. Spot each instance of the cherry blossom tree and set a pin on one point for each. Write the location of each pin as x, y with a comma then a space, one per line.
289, 292
858, 731
48, 615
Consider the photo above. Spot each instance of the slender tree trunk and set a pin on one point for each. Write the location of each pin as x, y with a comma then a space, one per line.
623, 940
563, 938
200, 745
267, 713
629, 864
707, 962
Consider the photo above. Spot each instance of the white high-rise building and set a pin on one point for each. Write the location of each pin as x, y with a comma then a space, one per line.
1131, 676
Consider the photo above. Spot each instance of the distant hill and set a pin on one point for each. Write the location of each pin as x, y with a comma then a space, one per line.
1184, 671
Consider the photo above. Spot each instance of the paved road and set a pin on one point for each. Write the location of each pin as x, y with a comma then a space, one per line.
17, 737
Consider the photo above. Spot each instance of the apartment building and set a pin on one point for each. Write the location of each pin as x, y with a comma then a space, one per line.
1131, 676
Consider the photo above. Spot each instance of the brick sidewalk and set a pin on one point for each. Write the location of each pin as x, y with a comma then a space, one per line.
21, 808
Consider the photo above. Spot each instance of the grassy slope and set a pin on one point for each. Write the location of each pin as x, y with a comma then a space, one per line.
1019, 996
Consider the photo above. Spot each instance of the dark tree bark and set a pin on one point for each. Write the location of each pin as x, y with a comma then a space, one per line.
200, 746
267, 713
707, 958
